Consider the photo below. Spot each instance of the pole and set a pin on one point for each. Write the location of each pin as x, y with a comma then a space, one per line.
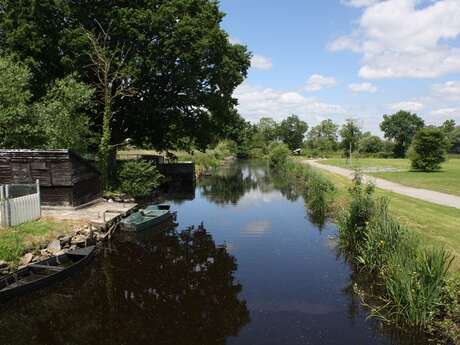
37, 183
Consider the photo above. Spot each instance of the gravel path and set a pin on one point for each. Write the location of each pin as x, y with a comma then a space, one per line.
422, 194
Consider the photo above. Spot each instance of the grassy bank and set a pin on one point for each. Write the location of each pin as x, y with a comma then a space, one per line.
447, 180
14, 242
381, 234
434, 223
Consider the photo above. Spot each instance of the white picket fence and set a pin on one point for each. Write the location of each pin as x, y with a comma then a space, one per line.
20, 209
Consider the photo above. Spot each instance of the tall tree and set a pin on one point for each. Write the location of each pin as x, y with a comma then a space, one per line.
292, 131
323, 136
401, 128
18, 126
269, 128
112, 83
180, 60
351, 135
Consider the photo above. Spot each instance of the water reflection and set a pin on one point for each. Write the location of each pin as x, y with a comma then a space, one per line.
168, 288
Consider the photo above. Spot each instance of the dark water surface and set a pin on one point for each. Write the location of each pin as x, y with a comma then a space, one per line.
252, 270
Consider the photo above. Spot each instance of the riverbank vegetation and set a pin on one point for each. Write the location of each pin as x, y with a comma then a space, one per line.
413, 282
14, 242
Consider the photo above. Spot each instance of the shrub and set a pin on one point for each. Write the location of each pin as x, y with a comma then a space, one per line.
414, 286
278, 155
318, 195
353, 222
428, 149
139, 178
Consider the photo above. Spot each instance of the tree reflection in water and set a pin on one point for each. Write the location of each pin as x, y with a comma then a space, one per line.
169, 288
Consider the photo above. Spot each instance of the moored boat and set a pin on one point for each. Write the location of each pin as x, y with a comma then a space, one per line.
44, 273
147, 218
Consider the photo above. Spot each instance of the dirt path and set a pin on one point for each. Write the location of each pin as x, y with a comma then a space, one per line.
422, 194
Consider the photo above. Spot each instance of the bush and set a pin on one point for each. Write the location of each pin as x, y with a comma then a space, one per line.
428, 149
353, 222
139, 178
318, 195
278, 155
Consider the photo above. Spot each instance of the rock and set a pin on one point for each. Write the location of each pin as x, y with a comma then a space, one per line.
4, 271
54, 247
3, 264
65, 240
78, 240
110, 200
26, 259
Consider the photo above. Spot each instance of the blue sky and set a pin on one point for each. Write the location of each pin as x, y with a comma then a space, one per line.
348, 58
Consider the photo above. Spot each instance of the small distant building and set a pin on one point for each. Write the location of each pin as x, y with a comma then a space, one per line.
65, 178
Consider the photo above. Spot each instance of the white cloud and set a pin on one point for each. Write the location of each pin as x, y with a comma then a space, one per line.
363, 87
256, 102
359, 3
449, 90
234, 40
400, 38
261, 62
318, 82
407, 106
446, 112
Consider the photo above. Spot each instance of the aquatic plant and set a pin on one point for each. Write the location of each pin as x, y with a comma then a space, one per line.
319, 192
279, 156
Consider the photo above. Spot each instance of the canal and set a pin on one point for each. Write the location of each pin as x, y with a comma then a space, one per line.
244, 265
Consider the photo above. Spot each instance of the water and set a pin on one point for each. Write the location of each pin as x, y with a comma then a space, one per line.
253, 270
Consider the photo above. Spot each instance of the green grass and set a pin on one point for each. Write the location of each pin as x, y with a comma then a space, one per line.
15, 241
434, 223
447, 180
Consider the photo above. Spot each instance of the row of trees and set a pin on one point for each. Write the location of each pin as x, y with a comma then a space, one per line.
327, 137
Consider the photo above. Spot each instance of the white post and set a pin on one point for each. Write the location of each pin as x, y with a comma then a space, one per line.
37, 183
8, 206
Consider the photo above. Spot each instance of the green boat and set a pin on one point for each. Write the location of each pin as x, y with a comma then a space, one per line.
147, 218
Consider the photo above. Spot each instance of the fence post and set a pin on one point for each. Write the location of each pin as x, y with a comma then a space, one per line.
2, 206
37, 183
7, 206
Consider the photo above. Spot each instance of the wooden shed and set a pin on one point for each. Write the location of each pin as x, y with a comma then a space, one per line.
65, 178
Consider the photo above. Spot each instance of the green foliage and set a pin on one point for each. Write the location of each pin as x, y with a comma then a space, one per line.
351, 135
18, 126
323, 137
319, 192
414, 278
63, 115
371, 144
138, 178
414, 285
292, 132
429, 149
353, 222
401, 128
268, 128
278, 155
179, 60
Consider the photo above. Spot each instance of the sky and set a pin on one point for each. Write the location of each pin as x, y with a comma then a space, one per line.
342, 59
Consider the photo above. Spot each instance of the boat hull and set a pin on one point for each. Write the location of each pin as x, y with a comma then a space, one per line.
10, 293
148, 223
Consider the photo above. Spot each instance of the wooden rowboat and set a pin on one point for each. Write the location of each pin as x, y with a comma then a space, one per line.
147, 218
44, 273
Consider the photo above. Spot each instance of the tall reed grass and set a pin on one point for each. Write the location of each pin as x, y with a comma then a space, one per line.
413, 278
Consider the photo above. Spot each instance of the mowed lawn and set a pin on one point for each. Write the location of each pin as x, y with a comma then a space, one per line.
447, 180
